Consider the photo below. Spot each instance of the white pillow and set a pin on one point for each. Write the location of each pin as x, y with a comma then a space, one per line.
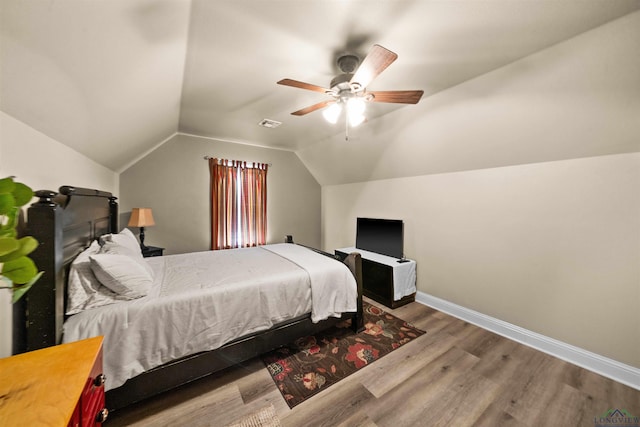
114, 248
84, 290
125, 238
122, 274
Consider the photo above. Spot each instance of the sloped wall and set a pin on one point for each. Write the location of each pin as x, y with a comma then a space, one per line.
579, 98
44, 163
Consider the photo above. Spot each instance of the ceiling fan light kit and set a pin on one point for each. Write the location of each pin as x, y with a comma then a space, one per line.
355, 111
332, 113
349, 89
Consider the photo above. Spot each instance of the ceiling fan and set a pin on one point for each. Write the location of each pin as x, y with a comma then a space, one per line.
349, 89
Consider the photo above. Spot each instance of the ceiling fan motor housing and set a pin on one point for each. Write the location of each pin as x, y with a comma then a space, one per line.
341, 82
348, 63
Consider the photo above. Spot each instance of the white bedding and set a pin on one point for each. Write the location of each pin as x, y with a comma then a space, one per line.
202, 300
329, 298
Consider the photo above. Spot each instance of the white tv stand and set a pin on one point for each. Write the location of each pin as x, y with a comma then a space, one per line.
385, 280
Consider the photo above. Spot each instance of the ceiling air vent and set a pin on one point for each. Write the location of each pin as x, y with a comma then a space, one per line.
268, 123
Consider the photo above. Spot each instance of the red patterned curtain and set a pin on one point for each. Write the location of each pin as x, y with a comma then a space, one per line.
238, 203
254, 205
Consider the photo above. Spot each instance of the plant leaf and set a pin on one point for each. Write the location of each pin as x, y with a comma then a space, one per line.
20, 270
6, 185
22, 194
7, 246
9, 219
19, 291
10, 233
26, 245
15, 266
7, 203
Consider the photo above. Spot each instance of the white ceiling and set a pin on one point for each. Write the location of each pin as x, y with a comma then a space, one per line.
114, 78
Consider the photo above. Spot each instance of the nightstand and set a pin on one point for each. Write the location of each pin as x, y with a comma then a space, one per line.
150, 251
61, 385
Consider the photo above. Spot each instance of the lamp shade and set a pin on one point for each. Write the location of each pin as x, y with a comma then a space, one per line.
141, 217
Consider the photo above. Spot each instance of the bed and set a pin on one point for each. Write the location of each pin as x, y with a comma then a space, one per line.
71, 222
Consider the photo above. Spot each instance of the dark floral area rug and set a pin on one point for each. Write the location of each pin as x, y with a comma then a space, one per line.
311, 364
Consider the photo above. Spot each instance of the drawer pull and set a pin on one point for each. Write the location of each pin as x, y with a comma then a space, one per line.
100, 380
102, 415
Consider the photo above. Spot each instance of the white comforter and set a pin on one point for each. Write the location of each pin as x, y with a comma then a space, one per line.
329, 297
202, 300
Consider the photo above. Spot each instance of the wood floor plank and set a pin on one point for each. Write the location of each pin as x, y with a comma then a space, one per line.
325, 409
501, 363
224, 402
256, 383
534, 387
460, 329
384, 375
455, 375
464, 402
359, 418
567, 407
480, 342
409, 403
495, 416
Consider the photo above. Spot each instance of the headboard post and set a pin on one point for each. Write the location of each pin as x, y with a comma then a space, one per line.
113, 211
45, 300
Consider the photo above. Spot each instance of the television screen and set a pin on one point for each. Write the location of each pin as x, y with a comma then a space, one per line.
383, 236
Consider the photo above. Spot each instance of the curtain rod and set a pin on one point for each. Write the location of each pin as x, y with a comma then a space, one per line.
209, 157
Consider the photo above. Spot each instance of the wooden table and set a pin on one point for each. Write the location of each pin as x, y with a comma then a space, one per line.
57, 386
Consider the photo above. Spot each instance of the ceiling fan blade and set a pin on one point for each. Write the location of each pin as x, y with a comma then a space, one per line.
302, 85
313, 108
397, 96
376, 61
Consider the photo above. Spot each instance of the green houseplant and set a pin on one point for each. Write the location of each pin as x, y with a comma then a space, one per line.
17, 271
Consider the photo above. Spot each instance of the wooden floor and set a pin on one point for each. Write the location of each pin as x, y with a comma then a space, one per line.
455, 375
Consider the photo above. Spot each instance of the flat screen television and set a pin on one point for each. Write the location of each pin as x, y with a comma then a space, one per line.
383, 236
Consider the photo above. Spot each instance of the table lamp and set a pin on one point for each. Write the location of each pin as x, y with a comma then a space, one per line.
141, 217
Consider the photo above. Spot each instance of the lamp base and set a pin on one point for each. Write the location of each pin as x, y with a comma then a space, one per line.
142, 245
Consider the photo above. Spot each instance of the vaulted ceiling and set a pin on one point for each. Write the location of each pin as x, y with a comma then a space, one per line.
114, 78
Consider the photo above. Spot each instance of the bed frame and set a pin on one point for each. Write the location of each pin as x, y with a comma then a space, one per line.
66, 223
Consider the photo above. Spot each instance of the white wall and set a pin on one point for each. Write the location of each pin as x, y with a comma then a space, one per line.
550, 247
43, 164
174, 181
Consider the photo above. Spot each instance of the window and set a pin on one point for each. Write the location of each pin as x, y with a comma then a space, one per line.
238, 203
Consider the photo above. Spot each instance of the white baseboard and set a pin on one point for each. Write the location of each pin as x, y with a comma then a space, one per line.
604, 366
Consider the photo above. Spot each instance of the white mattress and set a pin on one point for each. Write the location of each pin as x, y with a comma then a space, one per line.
202, 300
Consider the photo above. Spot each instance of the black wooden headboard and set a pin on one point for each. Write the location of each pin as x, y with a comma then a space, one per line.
64, 223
